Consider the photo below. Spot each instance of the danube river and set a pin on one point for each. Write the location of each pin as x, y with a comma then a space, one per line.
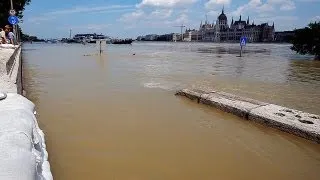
115, 116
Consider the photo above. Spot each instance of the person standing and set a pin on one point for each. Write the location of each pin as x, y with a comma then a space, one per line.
10, 36
3, 39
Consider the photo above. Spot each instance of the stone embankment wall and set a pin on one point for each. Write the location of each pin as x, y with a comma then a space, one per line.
22, 145
289, 120
10, 70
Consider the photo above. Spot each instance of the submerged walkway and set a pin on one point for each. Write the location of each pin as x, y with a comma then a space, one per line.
288, 120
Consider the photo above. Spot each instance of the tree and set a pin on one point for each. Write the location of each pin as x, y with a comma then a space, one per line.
5, 5
307, 40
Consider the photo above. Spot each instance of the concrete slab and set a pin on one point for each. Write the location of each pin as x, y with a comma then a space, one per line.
230, 103
289, 120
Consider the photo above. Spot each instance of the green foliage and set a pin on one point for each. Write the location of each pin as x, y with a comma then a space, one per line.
307, 40
5, 5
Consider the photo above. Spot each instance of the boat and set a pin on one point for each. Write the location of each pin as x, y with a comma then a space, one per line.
89, 38
122, 41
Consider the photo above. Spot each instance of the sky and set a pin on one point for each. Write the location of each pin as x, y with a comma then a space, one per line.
131, 18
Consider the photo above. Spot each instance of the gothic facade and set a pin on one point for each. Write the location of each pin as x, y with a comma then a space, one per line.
222, 32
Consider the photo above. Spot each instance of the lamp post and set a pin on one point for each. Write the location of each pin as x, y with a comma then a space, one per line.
15, 29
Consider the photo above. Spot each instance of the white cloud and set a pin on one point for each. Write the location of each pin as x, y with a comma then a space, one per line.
277, 18
133, 16
309, 0
99, 9
213, 13
112, 11
285, 5
139, 15
88, 9
257, 6
87, 27
212, 4
39, 19
289, 5
165, 3
182, 19
265, 8
316, 18
161, 14
97, 27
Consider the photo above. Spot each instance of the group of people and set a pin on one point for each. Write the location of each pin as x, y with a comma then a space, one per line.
7, 36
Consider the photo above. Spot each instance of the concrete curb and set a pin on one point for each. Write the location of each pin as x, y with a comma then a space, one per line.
288, 120
11, 80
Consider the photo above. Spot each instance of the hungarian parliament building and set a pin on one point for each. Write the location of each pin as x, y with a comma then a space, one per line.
222, 32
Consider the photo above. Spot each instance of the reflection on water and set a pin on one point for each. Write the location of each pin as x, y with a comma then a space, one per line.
115, 116
307, 72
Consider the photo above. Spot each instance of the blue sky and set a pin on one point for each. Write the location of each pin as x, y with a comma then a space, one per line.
130, 18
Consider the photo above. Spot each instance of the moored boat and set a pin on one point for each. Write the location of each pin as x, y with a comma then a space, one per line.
122, 41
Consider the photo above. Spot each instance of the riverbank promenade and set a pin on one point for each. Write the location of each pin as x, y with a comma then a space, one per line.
22, 146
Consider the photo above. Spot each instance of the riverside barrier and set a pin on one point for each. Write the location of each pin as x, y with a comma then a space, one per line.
292, 121
23, 153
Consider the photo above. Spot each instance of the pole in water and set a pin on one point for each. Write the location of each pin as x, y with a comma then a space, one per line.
100, 47
243, 42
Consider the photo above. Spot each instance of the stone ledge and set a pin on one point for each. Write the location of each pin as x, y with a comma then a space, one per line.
10, 68
288, 120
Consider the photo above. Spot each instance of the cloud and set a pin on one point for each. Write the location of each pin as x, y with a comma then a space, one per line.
181, 19
316, 18
277, 18
39, 19
213, 13
87, 27
96, 27
92, 10
161, 14
257, 6
212, 4
88, 9
308, 0
139, 14
133, 16
157, 19
165, 3
112, 11
289, 5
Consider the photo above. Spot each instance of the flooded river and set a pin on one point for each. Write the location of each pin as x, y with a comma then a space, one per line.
115, 116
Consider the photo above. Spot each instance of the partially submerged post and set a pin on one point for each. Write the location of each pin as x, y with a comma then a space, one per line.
243, 42
99, 43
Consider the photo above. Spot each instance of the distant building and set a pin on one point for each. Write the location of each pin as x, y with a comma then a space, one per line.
222, 32
176, 37
191, 35
155, 37
165, 37
140, 38
151, 37
284, 36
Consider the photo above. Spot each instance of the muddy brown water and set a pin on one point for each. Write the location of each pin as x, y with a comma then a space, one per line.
115, 116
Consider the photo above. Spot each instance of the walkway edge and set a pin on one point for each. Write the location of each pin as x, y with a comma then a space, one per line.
292, 121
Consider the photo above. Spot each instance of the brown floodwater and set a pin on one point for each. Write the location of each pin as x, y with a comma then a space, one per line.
115, 116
